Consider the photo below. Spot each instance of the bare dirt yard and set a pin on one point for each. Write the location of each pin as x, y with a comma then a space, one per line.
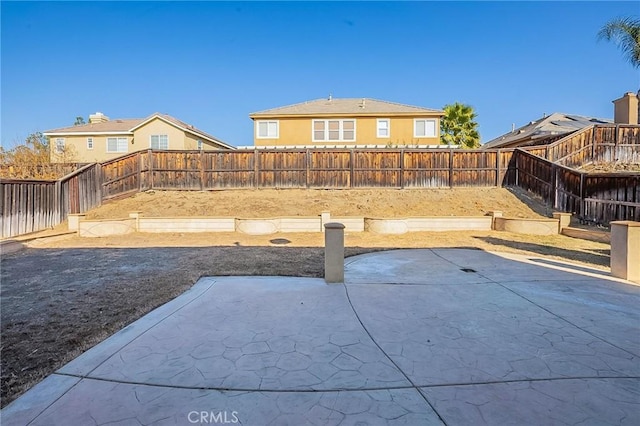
60, 297
382, 202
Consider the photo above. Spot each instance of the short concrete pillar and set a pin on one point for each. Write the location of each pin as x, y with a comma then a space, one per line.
625, 250
136, 215
494, 214
564, 220
73, 220
325, 217
334, 253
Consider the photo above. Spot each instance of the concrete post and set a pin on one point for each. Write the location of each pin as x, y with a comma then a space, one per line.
625, 250
564, 220
136, 215
74, 221
494, 214
325, 217
334, 253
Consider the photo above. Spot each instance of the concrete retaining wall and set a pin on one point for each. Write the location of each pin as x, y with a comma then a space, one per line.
527, 226
137, 223
104, 228
431, 224
186, 224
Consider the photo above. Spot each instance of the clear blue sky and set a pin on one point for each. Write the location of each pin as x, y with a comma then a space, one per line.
212, 63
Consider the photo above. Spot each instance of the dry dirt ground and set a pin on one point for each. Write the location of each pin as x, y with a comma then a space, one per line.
263, 203
61, 297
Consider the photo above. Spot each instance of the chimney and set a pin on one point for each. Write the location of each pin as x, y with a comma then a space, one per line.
98, 117
625, 109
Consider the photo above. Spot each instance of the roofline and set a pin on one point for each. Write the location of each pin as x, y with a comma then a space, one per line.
184, 129
347, 114
124, 132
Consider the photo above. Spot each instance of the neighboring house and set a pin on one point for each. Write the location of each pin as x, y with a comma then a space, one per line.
555, 126
103, 139
543, 131
346, 122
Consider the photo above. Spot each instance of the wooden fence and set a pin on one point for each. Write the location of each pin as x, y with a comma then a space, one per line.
595, 198
29, 206
320, 168
33, 205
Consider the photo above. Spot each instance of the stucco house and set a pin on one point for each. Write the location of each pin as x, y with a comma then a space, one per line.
103, 139
346, 122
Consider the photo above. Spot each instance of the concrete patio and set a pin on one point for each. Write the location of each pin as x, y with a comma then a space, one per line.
432, 336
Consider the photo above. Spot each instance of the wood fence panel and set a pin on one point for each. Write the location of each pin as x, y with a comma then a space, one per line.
329, 168
229, 169
570, 144
534, 174
611, 197
282, 169
373, 168
474, 168
568, 189
27, 206
426, 169
121, 175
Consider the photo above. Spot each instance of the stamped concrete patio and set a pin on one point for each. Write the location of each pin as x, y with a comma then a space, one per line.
417, 337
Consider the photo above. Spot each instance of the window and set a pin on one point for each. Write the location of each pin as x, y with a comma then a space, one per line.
159, 142
383, 128
424, 128
59, 146
89, 143
334, 130
199, 145
268, 130
116, 144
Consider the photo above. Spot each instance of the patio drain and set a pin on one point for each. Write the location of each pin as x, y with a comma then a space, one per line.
468, 270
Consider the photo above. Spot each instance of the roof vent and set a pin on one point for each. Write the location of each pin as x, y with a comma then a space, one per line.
330, 97
362, 105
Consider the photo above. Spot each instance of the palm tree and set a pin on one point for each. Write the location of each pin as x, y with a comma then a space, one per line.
625, 32
458, 127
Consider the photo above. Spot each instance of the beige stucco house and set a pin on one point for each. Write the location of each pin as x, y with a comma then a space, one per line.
346, 122
103, 139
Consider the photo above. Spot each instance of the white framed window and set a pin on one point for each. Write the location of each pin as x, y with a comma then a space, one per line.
89, 143
159, 142
333, 130
268, 129
59, 148
383, 127
199, 144
117, 145
424, 128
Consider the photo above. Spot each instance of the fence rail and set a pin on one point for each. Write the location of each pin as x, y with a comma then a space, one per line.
596, 198
308, 168
29, 206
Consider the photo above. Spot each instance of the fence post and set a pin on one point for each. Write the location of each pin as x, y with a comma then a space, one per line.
256, 167
554, 186
202, 170
450, 167
351, 167
150, 154
402, 168
582, 202
498, 158
307, 160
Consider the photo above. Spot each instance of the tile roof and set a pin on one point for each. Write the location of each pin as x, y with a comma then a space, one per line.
556, 124
128, 125
346, 106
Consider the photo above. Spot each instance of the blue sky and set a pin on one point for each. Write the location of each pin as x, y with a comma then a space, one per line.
212, 63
